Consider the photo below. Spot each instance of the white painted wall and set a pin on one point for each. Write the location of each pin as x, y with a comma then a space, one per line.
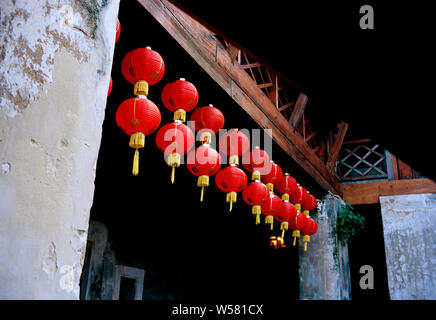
409, 229
53, 84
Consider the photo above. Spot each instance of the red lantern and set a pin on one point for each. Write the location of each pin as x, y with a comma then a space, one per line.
138, 117
110, 87
256, 160
180, 97
309, 202
117, 36
310, 228
231, 180
286, 186
142, 67
204, 162
271, 207
273, 176
286, 213
255, 194
297, 222
297, 195
209, 118
234, 143
174, 140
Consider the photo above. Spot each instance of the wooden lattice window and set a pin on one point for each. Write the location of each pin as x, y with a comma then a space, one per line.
361, 160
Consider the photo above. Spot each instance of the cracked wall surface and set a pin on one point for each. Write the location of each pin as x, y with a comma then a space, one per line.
324, 268
409, 229
56, 64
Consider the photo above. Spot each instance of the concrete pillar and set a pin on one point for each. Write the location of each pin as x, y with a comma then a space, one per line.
56, 60
409, 229
324, 267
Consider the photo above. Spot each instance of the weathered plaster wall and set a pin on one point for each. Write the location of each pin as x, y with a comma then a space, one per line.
324, 267
56, 60
409, 228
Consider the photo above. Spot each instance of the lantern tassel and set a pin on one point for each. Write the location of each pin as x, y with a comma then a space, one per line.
201, 195
283, 233
295, 241
230, 209
305, 246
135, 169
258, 218
269, 220
173, 171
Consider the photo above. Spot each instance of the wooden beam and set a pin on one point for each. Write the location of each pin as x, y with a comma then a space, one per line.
298, 111
201, 44
290, 104
336, 147
369, 192
233, 52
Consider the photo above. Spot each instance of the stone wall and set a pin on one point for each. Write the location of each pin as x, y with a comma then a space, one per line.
409, 228
324, 268
54, 75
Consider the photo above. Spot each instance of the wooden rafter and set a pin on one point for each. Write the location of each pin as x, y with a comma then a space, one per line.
202, 45
298, 111
337, 144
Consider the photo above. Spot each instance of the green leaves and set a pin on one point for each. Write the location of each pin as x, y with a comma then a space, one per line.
348, 223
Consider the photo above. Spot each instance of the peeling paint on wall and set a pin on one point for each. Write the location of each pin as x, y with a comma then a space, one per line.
27, 52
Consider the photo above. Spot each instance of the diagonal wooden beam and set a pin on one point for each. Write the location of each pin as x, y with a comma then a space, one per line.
336, 147
298, 111
201, 44
233, 52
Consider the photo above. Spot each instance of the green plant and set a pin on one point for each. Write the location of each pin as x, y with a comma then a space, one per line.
348, 223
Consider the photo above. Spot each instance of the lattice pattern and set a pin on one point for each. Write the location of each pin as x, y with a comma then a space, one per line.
281, 93
362, 160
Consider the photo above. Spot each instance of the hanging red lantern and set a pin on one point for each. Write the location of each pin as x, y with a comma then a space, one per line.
309, 229
297, 223
138, 117
255, 194
209, 118
110, 87
297, 195
231, 180
204, 162
180, 97
142, 67
309, 202
273, 176
234, 143
256, 160
286, 186
286, 213
271, 207
174, 140
118, 31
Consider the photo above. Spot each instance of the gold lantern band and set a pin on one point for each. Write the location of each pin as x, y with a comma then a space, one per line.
306, 213
297, 206
180, 114
141, 88
295, 234
234, 160
284, 226
255, 175
285, 197
270, 187
205, 137
306, 239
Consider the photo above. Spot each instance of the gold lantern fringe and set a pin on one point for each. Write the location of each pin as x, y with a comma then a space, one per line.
137, 140
306, 239
257, 211
295, 234
173, 162
270, 187
231, 197
284, 226
255, 175
270, 220
203, 181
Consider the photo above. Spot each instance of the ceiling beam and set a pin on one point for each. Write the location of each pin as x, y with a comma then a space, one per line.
337, 144
369, 192
300, 105
204, 48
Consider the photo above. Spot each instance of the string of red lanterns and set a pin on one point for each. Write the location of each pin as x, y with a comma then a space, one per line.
139, 117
